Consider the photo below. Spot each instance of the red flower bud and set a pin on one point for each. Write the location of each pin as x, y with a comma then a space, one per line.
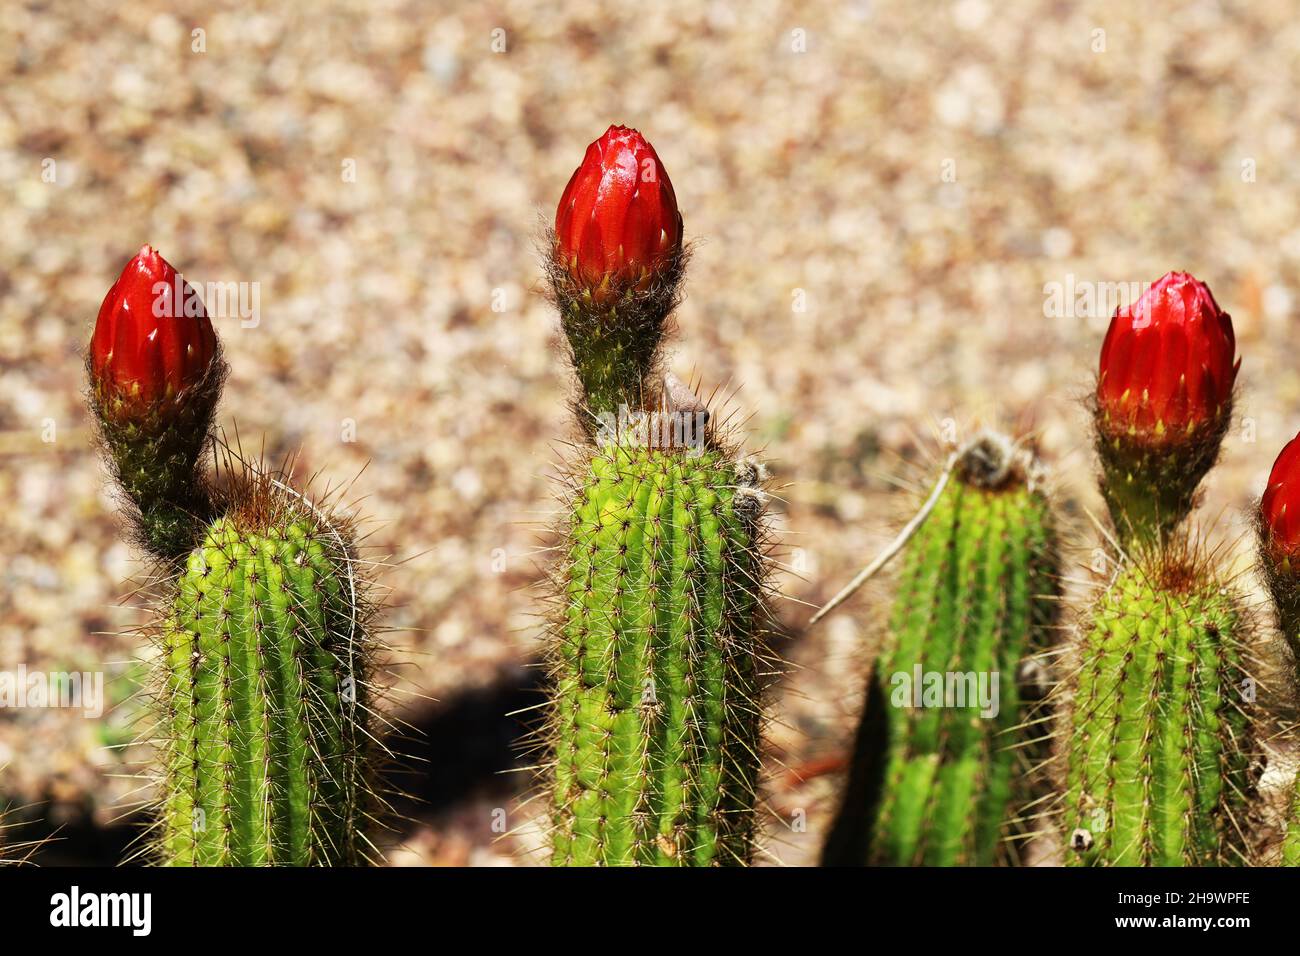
618, 217
1167, 364
1164, 399
1280, 508
152, 340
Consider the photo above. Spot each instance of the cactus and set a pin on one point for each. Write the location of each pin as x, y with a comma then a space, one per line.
977, 594
656, 723
263, 633
1277, 524
265, 659
1158, 730
1289, 854
657, 653
1158, 736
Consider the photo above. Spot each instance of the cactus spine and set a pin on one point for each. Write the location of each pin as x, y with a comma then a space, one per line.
1156, 748
264, 660
656, 721
977, 594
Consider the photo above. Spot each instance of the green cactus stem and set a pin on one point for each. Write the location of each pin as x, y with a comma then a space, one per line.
657, 661
976, 597
1157, 742
265, 658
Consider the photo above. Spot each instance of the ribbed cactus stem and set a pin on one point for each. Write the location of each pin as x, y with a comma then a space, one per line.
1157, 743
656, 721
976, 596
260, 704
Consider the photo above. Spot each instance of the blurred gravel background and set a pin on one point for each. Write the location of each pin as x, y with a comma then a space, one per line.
883, 194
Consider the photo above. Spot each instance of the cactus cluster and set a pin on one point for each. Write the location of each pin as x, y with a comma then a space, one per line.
659, 657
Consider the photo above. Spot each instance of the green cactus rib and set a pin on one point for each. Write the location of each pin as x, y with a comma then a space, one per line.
656, 723
977, 593
260, 702
1156, 758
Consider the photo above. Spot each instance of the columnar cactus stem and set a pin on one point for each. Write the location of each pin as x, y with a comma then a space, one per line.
1158, 738
656, 722
265, 658
976, 597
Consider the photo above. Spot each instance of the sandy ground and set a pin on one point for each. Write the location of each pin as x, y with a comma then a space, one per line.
883, 195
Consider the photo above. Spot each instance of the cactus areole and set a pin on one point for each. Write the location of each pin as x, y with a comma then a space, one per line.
1163, 404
